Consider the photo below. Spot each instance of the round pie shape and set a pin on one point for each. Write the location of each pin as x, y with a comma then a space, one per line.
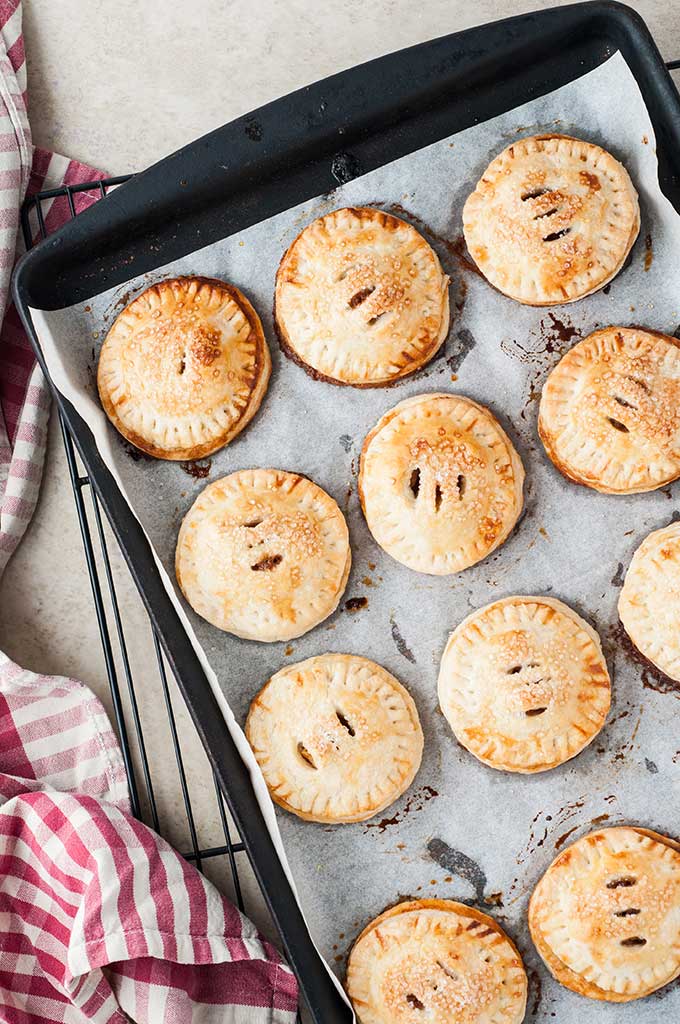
440, 483
361, 298
552, 219
524, 684
436, 961
263, 554
649, 603
609, 416
184, 368
605, 917
337, 737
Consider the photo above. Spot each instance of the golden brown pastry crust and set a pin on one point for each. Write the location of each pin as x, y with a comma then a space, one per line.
609, 416
552, 219
649, 603
440, 483
436, 960
361, 298
524, 684
184, 368
337, 737
605, 917
263, 554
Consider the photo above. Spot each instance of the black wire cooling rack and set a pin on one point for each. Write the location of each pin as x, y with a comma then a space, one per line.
223, 860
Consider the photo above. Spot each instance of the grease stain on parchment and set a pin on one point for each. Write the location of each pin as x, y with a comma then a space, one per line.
400, 643
542, 351
652, 677
459, 864
415, 803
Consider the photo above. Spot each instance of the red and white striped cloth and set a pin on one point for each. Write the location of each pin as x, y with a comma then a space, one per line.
100, 920
24, 395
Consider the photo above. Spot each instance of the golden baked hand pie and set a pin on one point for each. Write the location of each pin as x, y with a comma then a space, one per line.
552, 219
263, 554
440, 483
649, 603
609, 416
361, 298
523, 684
436, 962
605, 917
337, 738
184, 368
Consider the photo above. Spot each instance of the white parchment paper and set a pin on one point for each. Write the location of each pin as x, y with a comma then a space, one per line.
463, 831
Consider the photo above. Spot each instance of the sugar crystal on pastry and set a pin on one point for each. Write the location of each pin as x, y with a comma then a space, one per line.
605, 915
337, 737
523, 683
551, 220
440, 483
263, 554
436, 961
609, 415
184, 368
361, 298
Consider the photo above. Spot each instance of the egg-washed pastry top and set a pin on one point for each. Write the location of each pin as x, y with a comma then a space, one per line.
649, 603
184, 368
609, 416
524, 684
436, 962
337, 737
552, 219
263, 554
440, 483
361, 298
605, 917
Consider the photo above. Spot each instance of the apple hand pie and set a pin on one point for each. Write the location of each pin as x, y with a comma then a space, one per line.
184, 368
605, 917
524, 684
440, 483
552, 219
337, 737
649, 603
263, 554
436, 962
609, 416
361, 298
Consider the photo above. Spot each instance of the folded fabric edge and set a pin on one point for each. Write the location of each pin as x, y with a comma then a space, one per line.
23, 683
127, 951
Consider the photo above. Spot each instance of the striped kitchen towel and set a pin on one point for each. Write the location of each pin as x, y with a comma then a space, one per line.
24, 394
100, 920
